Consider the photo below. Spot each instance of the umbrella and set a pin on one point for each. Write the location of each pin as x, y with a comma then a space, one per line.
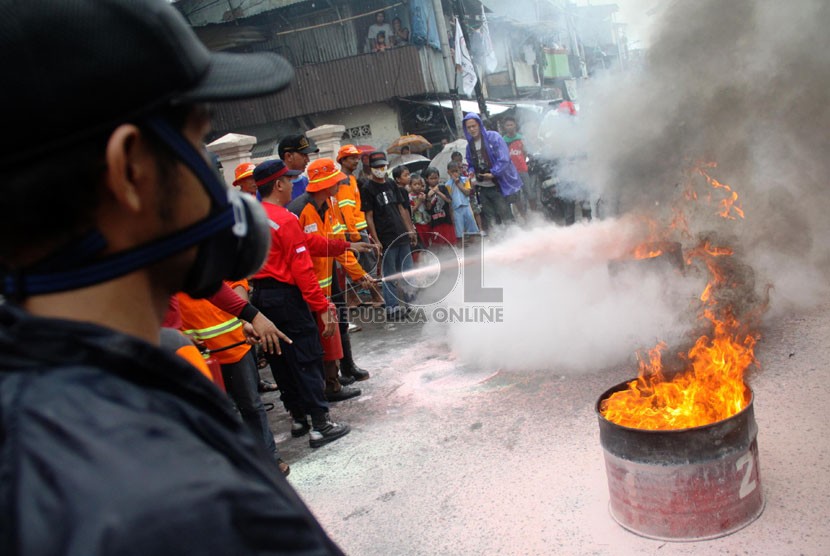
443, 158
416, 144
414, 162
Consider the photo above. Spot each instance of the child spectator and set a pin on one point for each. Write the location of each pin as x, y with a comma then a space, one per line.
421, 217
402, 177
460, 191
440, 206
380, 42
467, 174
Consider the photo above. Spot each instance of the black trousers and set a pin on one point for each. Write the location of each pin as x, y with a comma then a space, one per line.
299, 370
241, 379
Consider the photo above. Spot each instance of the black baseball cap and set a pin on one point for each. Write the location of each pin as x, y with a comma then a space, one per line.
378, 159
296, 144
76, 67
268, 171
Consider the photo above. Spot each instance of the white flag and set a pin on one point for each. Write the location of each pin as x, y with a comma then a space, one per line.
464, 62
490, 60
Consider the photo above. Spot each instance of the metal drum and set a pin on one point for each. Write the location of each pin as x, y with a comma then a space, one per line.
687, 484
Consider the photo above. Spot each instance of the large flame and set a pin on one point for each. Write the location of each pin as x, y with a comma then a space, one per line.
710, 387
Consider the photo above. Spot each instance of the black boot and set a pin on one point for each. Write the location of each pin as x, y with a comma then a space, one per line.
345, 380
335, 391
347, 365
324, 430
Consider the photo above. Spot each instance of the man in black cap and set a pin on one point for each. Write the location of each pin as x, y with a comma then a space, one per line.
390, 225
294, 151
109, 444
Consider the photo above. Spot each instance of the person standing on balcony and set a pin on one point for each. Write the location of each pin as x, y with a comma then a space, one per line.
379, 26
400, 34
294, 151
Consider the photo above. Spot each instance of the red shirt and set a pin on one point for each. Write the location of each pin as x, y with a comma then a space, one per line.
517, 154
289, 260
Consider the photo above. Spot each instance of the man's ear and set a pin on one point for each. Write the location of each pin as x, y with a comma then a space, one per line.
129, 165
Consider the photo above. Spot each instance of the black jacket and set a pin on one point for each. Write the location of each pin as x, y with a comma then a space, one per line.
108, 445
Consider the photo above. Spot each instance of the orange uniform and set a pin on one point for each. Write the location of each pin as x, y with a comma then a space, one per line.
328, 223
207, 323
348, 201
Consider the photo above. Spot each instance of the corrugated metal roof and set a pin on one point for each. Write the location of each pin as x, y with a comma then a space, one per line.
206, 12
354, 81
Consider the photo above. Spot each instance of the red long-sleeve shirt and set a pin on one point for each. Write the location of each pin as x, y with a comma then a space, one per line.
289, 260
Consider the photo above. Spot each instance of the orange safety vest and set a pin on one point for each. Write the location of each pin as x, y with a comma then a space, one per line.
348, 200
331, 228
207, 323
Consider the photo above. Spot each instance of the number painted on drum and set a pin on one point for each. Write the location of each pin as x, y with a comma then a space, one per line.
747, 485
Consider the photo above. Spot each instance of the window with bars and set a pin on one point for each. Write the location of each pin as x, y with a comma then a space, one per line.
360, 131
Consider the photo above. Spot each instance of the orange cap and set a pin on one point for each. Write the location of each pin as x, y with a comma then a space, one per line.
347, 150
244, 170
322, 174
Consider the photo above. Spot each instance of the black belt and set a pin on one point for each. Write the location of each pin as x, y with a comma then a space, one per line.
270, 284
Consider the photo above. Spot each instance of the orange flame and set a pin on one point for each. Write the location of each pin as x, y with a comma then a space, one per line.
711, 389
730, 203
711, 385
646, 251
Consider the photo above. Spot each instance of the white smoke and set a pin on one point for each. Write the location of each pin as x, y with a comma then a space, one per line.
742, 84
568, 306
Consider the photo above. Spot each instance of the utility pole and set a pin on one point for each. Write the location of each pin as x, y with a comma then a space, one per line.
449, 66
482, 105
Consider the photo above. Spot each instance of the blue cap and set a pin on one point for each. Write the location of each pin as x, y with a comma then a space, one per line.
268, 171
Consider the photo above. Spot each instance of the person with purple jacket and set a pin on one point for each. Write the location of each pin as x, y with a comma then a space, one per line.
497, 181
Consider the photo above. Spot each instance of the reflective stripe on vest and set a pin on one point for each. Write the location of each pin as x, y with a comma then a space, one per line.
214, 331
326, 282
347, 203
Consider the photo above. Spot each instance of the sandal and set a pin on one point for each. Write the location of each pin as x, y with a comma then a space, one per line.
283, 467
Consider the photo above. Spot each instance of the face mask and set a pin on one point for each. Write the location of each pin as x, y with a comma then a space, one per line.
233, 241
378, 173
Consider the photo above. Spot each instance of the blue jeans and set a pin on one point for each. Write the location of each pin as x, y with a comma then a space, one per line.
396, 258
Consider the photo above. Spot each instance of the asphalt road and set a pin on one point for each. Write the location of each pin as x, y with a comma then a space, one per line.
451, 460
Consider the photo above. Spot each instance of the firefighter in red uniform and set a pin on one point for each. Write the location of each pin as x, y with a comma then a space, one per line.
286, 290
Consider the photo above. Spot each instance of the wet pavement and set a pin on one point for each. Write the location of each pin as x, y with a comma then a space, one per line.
453, 460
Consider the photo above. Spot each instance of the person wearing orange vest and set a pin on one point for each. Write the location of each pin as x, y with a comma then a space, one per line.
348, 200
222, 333
348, 195
319, 214
287, 291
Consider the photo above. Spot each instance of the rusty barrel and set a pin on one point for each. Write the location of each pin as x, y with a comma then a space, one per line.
683, 485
